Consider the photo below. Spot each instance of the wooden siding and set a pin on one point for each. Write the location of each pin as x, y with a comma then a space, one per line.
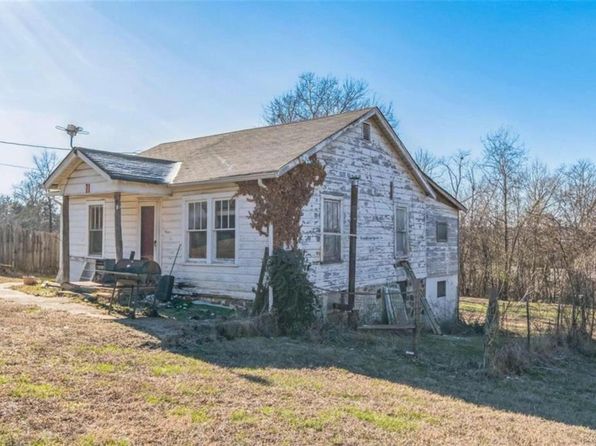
441, 257
83, 175
236, 280
377, 165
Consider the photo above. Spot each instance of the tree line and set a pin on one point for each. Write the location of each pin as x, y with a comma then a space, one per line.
29, 205
530, 230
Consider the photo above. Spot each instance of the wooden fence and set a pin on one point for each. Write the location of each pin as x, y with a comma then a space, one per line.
27, 251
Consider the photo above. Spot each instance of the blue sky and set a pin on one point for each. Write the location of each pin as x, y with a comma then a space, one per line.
137, 74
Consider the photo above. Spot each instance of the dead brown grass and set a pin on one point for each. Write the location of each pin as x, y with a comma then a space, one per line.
68, 379
4, 278
18, 278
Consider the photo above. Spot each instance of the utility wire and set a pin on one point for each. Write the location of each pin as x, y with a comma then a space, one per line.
34, 145
58, 148
15, 165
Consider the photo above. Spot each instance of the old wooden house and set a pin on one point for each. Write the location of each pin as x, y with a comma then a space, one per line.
182, 194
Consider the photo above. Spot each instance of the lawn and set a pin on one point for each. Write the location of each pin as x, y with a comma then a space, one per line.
67, 379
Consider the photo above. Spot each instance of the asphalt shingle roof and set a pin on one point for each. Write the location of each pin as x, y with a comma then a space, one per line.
244, 152
120, 166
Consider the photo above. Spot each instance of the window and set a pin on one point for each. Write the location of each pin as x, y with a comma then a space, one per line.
366, 131
197, 230
96, 230
211, 230
401, 230
225, 229
441, 232
441, 288
331, 230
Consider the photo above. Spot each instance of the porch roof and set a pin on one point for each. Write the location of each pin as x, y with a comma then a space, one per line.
120, 166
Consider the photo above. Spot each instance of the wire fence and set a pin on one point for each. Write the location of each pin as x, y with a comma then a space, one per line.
515, 316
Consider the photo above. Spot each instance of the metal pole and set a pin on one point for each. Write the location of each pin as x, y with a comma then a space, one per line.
353, 231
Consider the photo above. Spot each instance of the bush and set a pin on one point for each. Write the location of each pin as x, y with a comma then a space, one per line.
295, 303
511, 359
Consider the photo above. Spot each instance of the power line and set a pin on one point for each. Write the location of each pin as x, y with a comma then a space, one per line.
15, 165
59, 148
34, 145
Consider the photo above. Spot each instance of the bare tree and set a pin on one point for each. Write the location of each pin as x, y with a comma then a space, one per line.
317, 96
36, 208
459, 169
428, 162
504, 164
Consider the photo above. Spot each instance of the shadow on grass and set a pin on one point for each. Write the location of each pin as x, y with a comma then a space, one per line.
563, 390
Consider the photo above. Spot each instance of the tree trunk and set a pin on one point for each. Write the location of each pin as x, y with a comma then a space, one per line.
491, 329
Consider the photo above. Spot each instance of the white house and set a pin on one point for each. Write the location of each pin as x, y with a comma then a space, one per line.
182, 194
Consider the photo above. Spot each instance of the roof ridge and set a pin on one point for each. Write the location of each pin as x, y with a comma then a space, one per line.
362, 110
125, 155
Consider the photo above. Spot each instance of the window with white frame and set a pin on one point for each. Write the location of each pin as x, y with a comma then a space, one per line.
211, 230
401, 230
331, 218
197, 230
95, 230
225, 229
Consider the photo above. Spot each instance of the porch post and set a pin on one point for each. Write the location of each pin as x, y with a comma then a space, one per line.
65, 251
118, 225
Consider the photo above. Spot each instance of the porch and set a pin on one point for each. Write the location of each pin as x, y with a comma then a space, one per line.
99, 227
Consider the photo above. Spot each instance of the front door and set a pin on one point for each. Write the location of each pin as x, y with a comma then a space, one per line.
148, 239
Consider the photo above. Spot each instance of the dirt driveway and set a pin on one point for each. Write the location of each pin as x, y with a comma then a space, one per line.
52, 303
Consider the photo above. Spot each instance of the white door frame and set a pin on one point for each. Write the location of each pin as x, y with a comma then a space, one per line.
156, 228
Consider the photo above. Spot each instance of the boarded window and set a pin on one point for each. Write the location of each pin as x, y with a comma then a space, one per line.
366, 131
197, 230
441, 288
225, 229
96, 230
331, 230
401, 231
441, 232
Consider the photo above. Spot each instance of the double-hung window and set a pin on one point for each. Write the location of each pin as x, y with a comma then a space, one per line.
225, 229
211, 230
331, 230
401, 231
95, 230
197, 230
441, 232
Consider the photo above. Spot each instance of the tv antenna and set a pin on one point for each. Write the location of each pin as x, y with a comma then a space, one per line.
72, 131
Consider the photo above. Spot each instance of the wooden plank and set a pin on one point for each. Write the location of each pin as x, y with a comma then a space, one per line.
391, 315
387, 327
